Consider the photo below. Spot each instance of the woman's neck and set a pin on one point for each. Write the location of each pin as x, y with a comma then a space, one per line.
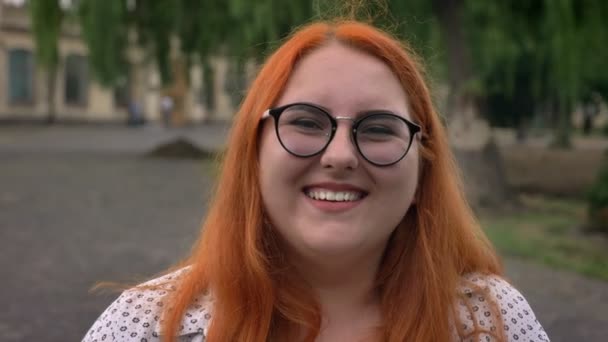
344, 285
347, 293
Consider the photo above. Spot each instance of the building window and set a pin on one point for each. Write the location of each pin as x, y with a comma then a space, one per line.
76, 80
21, 77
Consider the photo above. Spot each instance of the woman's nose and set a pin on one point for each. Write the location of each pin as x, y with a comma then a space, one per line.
341, 153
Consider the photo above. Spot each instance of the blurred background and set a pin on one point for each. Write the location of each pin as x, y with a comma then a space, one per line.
111, 113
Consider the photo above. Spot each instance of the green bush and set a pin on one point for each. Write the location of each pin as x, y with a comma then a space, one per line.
598, 199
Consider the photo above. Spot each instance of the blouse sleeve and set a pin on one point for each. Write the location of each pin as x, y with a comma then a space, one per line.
131, 317
498, 297
135, 316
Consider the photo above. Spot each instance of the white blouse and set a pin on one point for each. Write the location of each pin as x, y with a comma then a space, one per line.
135, 315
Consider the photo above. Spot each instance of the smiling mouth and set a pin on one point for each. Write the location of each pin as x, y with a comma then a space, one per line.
334, 196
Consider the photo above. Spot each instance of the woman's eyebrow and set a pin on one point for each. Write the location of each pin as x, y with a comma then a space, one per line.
363, 113
357, 114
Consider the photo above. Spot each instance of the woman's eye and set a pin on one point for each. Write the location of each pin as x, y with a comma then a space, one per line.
306, 123
378, 130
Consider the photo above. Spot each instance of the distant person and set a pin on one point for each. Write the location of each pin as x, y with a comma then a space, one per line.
338, 216
166, 105
590, 110
136, 116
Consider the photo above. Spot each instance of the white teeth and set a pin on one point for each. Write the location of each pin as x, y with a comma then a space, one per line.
334, 196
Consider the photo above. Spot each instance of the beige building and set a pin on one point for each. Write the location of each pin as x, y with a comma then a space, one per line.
77, 97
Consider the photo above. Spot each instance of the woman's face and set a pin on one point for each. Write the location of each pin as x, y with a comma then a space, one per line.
348, 83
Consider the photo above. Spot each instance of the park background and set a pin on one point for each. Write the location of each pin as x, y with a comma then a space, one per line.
96, 184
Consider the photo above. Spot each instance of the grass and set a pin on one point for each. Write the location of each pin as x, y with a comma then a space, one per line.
548, 231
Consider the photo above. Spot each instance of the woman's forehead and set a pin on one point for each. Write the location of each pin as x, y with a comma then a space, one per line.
341, 78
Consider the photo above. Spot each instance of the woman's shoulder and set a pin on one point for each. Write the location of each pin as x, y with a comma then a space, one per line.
136, 315
489, 302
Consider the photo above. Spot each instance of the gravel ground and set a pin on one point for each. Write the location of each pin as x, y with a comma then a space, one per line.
68, 220
66, 223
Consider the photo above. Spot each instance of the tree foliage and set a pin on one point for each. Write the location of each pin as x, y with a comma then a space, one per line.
155, 22
108, 45
561, 42
46, 18
46, 21
535, 53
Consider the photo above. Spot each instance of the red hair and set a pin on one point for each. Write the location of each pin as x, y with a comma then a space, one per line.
256, 297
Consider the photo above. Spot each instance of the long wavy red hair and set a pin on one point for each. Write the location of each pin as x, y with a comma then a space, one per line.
238, 260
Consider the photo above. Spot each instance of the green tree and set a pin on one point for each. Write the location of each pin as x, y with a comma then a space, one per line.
517, 55
46, 19
106, 46
552, 50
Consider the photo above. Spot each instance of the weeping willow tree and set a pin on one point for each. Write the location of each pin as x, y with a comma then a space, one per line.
534, 46
563, 50
106, 46
576, 46
46, 18
526, 54
553, 49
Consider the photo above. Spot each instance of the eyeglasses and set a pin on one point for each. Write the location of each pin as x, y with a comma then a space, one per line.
305, 130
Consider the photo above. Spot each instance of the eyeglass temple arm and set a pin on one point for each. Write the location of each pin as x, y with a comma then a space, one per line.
419, 135
265, 114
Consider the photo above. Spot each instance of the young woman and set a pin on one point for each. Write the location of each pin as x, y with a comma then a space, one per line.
338, 216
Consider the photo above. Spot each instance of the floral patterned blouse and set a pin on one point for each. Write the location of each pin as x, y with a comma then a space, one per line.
135, 315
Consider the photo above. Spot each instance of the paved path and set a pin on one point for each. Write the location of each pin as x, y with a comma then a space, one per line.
105, 139
68, 220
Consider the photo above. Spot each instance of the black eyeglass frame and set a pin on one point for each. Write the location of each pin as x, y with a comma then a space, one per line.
276, 112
